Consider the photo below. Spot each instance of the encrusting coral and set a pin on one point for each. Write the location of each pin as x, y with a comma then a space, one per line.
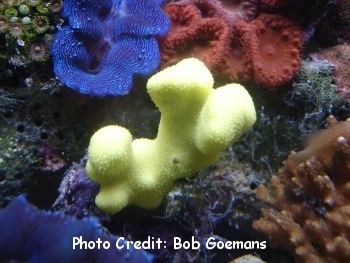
339, 56
310, 199
197, 123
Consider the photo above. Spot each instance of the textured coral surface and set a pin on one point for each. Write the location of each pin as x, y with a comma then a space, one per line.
44, 127
197, 123
279, 43
106, 43
237, 47
339, 56
31, 235
310, 199
38, 137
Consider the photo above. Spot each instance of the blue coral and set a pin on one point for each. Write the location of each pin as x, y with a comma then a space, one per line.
30, 235
106, 43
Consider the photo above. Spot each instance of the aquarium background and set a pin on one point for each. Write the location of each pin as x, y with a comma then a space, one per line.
71, 67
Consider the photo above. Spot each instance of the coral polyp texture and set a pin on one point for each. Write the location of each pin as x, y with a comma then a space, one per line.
278, 44
197, 123
31, 235
106, 43
310, 199
22, 25
269, 4
264, 49
77, 194
230, 11
192, 36
339, 56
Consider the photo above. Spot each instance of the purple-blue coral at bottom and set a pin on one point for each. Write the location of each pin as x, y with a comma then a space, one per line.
106, 43
30, 235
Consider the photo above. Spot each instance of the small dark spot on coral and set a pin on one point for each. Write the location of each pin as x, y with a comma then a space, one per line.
44, 135
205, 12
20, 128
253, 185
38, 122
317, 247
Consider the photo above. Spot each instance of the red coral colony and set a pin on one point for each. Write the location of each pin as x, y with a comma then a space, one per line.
233, 41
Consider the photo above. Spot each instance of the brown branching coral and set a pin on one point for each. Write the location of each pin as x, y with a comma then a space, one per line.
311, 200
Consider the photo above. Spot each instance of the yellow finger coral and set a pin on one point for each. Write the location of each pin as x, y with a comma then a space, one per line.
197, 123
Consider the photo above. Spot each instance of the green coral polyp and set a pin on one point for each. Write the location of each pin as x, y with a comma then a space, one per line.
3, 23
41, 23
11, 12
23, 23
197, 123
24, 10
33, 2
26, 20
43, 9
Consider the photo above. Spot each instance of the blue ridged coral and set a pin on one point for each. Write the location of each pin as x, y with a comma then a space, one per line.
30, 235
106, 43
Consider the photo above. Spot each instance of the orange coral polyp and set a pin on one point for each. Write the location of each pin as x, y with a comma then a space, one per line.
266, 50
181, 16
237, 62
192, 36
279, 42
